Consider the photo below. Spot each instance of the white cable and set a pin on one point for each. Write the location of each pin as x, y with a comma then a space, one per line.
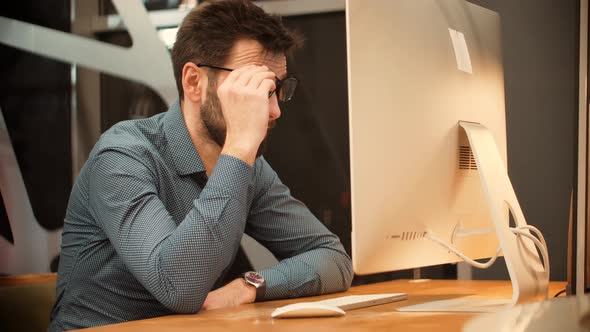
461, 255
541, 245
538, 233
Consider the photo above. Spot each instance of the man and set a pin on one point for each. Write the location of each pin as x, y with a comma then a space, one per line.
156, 215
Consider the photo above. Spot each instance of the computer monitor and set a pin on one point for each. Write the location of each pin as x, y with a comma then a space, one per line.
426, 104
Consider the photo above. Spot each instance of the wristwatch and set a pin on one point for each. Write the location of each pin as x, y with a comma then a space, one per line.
257, 280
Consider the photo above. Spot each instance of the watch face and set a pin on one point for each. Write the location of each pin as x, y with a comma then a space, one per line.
254, 278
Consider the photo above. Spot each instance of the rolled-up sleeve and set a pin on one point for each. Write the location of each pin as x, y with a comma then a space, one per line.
312, 259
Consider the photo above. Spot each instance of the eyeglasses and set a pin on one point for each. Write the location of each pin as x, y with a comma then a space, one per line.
285, 88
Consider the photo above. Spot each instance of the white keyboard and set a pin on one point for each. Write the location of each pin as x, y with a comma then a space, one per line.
352, 302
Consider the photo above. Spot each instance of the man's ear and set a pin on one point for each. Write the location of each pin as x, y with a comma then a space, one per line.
192, 82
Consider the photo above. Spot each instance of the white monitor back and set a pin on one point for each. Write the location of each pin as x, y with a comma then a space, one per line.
415, 69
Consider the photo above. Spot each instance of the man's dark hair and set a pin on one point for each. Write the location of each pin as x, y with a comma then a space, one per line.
209, 31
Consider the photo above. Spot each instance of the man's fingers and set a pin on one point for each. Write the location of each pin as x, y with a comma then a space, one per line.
234, 75
267, 85
246, 76
259, 77
237, 75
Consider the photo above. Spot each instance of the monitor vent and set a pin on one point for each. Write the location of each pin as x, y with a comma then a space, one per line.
412, 235
466, 159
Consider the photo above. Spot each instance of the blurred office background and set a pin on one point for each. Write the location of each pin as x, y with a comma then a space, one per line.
54, 112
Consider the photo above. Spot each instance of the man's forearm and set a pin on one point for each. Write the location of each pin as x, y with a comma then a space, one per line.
319, 271
317, 262
202, 246
178, 265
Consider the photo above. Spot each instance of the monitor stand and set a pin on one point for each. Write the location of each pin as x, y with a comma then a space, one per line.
529, 281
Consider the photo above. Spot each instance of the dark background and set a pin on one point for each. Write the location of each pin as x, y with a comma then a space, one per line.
35, 97
540, 48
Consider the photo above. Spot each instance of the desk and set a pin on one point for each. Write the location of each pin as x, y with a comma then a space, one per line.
26, 301
256, 316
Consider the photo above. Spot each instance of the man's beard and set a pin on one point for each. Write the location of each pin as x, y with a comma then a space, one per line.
212, 118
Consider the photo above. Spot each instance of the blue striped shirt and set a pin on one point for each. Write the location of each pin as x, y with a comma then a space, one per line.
147, 234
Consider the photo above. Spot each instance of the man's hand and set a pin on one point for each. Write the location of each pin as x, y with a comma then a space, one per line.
235, 293
245, 106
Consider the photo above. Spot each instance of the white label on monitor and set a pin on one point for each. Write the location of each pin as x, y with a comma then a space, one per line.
461, 51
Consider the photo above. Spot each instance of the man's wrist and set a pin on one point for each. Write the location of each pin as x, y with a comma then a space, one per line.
256, 280
249, 291
243, 152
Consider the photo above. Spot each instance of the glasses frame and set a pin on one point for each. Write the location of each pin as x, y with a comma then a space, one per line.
278, 82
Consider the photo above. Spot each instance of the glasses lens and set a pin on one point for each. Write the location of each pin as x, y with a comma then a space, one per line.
286, 89
277, 89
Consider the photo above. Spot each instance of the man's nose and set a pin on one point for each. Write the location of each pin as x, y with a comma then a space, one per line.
274, 111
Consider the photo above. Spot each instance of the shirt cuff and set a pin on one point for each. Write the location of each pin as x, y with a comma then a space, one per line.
232, 176
276, 284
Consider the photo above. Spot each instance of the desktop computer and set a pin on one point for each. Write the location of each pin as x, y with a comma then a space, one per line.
428, 159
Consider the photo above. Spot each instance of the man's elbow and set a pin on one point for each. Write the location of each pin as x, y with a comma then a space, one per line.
180, 297
343, 264
347, 273
182, 303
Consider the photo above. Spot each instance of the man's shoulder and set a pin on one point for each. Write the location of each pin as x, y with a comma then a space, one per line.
137, 138
265, 174
262, 167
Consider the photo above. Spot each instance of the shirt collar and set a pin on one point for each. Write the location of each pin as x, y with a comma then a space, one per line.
183, 151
